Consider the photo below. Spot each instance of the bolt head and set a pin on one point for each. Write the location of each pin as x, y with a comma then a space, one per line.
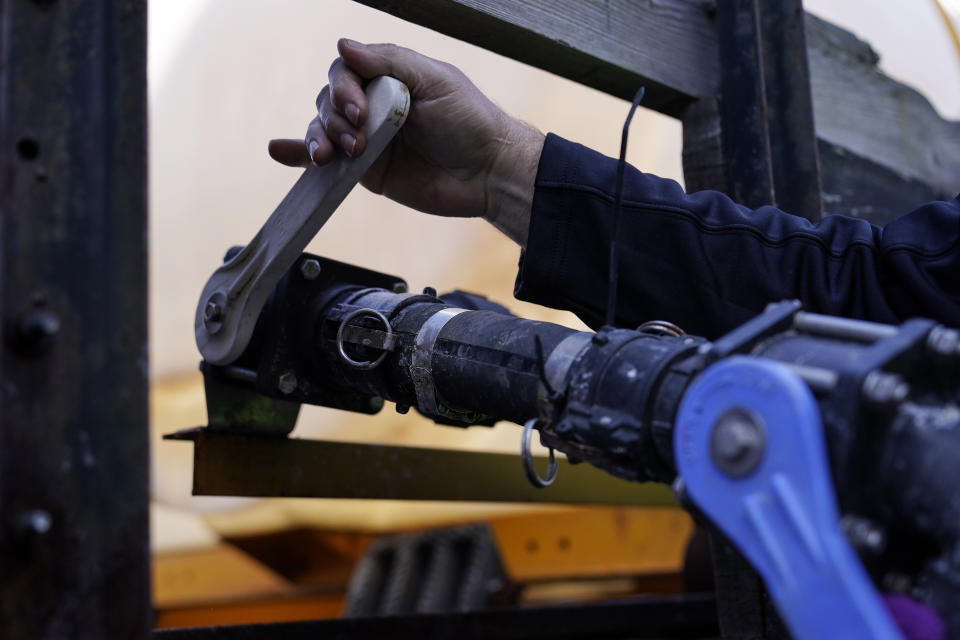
36, 332
737, 442
864, 535
212, 312
399, 287
883, 389
310, 269
35, 522
943, 342
287, 383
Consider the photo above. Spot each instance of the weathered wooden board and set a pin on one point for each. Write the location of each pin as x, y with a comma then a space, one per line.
671, 46
854, 186
851, 184
866, 113
611, 45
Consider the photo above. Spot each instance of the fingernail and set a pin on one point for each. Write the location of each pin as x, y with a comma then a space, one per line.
313, 146
348, 142
352, 43
353, 113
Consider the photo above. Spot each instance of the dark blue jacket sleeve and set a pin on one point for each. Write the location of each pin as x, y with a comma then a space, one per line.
708, 264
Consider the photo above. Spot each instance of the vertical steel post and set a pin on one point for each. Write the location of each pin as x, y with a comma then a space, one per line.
769, 149
766, 106
74, 556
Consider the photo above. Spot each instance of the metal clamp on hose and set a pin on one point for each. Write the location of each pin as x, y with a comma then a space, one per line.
363, 364
527, 459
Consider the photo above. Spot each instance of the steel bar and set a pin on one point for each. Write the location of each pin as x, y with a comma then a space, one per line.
248, 465
74, 537
692, 616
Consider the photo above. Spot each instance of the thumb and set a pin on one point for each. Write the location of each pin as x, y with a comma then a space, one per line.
372, 60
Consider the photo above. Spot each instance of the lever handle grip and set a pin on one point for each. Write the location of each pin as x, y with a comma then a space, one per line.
236, 292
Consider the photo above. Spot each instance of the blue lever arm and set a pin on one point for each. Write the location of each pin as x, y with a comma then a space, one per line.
750, 450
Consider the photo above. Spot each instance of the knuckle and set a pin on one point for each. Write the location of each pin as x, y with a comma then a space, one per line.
322, 97
335, 67
391, 51
337, 95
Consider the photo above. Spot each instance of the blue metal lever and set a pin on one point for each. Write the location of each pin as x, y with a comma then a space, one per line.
750, 450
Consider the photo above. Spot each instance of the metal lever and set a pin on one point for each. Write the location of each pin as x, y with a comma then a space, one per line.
236, 292
749, 446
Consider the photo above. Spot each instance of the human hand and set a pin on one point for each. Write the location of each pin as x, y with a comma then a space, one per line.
458, 154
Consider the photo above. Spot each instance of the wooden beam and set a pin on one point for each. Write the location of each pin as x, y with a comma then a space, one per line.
612, 46
857, 187
671, 46
859, 109
851, 184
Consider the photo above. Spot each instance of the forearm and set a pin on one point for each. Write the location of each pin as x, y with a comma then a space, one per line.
510, 182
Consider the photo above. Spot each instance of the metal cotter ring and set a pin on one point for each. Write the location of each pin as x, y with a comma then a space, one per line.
358, 364
527, 459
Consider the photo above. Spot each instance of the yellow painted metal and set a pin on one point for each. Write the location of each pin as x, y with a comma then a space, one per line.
592, 542
220, 573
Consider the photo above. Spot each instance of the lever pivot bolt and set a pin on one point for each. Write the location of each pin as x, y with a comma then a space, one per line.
737, 442
212, 312
310, 269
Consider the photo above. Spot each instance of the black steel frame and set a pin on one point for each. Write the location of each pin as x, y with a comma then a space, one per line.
772, 158
74, 552
671, 617
73, 416
769, 141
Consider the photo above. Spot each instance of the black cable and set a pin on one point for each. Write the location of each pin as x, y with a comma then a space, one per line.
621, 166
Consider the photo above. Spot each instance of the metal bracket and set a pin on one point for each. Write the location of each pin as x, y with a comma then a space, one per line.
236, 292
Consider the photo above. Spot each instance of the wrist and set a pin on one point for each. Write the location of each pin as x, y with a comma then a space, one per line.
510, 183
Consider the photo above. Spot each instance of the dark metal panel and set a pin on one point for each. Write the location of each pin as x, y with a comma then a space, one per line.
672, 617
248, 465
766, 106
73, 369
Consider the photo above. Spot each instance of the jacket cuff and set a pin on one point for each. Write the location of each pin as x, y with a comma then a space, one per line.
543, 263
